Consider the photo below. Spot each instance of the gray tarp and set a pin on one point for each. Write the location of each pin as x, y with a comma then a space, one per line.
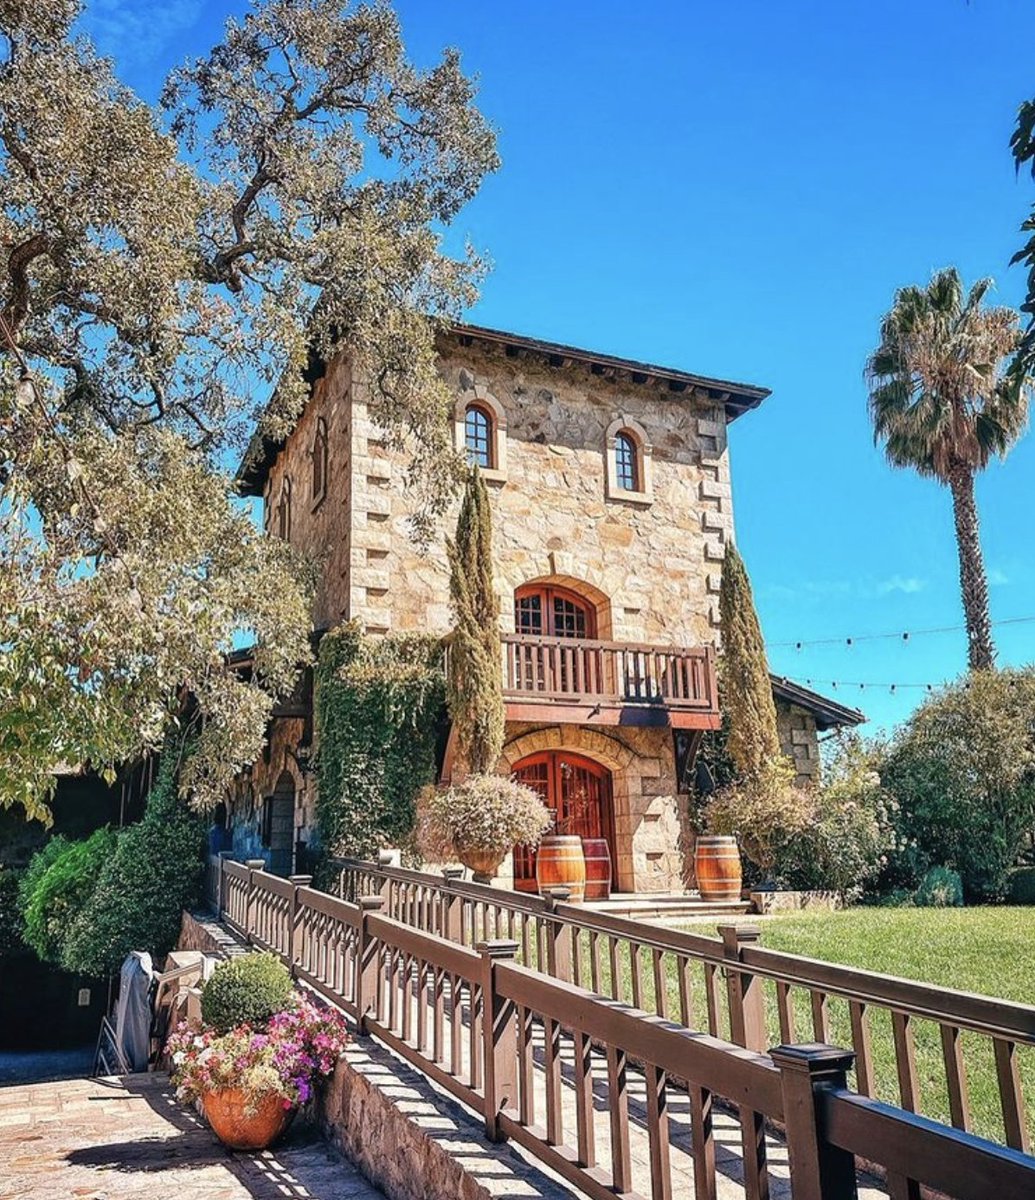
133, 1012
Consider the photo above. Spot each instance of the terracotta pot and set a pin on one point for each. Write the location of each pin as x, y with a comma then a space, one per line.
717, 862
483, 863
559, 862
242, 1130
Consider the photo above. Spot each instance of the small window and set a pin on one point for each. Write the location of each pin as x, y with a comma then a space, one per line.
320, 461
627, 470
284, 511
478, 436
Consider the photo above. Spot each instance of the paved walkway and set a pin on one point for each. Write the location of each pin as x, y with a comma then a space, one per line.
104, 1139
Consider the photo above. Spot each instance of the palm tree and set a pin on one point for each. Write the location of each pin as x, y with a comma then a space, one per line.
943, 399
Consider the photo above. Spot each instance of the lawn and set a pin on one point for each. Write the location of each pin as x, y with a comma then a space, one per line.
987, 950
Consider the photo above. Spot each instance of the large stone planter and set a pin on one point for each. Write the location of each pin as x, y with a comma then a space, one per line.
246, 1130
483, 864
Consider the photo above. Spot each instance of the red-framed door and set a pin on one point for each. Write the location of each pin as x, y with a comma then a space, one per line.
578, 793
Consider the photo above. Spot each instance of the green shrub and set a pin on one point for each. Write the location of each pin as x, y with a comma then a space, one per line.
380, 708
941, 887
154, 873
245, 991
896, 898
963, 774
55, 890
11, 924
1022, 886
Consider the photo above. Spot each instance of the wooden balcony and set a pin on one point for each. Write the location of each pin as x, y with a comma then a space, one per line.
580, 681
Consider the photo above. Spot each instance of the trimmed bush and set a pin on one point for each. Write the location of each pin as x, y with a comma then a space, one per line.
56, 887
941, 887
1022, 886
245, 991
154, 873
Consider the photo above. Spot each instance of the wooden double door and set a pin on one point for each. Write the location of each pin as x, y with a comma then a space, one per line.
578, 793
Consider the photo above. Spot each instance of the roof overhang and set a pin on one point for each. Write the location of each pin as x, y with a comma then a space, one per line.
735, 398
828, 713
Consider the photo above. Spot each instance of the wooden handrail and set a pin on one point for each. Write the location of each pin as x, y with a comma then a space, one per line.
437, 987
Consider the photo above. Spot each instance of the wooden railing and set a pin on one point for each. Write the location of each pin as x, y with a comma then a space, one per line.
560, 1068
737, 989
563, 669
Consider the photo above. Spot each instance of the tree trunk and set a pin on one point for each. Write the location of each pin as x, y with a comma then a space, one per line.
973, 584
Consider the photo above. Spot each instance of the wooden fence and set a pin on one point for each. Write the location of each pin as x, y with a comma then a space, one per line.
487, 995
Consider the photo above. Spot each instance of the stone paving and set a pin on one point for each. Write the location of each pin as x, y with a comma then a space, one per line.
103, 1139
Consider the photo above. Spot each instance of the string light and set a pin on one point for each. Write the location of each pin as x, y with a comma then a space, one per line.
898, 634
835, 684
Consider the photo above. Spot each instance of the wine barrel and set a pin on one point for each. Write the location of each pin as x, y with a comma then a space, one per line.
598, 868
559, 862
717, 860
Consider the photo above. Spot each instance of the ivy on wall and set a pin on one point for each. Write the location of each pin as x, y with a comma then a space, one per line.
380, 711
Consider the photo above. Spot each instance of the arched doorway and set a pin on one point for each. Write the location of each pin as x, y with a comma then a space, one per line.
278, 825
578, 793
542, 610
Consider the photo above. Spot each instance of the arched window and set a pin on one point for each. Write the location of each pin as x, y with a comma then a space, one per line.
284, 511
320, 461
478, 436
627, 466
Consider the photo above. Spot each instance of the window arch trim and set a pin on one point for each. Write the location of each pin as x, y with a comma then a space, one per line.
624, 429
480, 398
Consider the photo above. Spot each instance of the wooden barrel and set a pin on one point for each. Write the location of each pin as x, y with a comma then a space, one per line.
598, 868
717, 860
559, 862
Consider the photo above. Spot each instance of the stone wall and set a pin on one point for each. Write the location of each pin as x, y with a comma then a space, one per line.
799, 739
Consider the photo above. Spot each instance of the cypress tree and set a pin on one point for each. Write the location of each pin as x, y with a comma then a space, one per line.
753, 739
475, 681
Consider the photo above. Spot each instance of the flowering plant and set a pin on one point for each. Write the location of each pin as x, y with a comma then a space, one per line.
297, 1047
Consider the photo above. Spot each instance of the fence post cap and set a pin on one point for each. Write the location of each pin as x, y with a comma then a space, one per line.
300, 880
226, 854
371, 903
813, 1058
738, 935
388, 858
498, 948
255, 864
451, 873
557, 895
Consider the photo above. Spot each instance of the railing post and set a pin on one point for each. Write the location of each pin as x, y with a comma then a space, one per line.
368, 960
558, 940
819, 1171
499, 1038
747, 1004
386, 858
296, 881
221, 886
255, 866
451, 916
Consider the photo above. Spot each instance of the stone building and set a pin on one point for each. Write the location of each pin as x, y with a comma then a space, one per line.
612, 508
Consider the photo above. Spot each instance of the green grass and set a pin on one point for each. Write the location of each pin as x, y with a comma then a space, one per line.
985, 950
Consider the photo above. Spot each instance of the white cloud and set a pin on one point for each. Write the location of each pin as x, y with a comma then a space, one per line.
997, 578
137, 30
908, 585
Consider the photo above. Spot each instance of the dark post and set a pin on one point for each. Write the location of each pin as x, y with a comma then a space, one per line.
451, 915
558, 937
221, 886
368, 961
297, 881
747, 1004
819, 1171
499, 1038
385, 858
254, 865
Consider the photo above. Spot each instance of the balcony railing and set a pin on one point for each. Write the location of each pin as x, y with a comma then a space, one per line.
566, 670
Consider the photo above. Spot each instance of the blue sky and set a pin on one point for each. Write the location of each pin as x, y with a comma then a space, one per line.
738, 189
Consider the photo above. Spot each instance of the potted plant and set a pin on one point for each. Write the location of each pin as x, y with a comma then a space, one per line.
481, 820
251, 1076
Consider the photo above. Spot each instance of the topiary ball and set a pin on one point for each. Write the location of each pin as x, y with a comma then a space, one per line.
941, 887
245, 991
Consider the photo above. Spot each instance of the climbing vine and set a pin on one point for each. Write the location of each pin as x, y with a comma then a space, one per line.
380, 716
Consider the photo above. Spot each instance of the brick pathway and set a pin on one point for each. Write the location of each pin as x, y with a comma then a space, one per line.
103, 1139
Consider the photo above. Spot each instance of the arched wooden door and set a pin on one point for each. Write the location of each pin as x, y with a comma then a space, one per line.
577, 791
278, 833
